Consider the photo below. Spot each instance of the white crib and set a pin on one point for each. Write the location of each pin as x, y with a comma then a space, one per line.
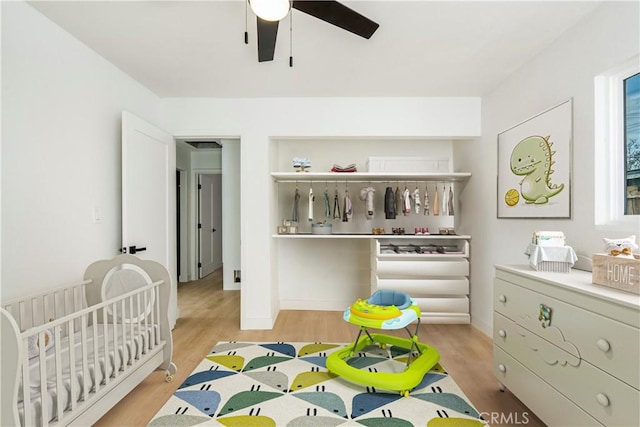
68, 355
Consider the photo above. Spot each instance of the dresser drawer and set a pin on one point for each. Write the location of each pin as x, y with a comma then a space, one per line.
441, 268
605, 343
423, 287
547, 403
443, 305
606, 398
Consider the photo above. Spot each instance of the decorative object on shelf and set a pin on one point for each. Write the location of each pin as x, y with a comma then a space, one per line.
529, 155
346, 169
288, 227
366, 195
621, 247
321, 228
301, 164
557, 259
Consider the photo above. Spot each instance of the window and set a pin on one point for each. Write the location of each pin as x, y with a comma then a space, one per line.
617, 148
632, 143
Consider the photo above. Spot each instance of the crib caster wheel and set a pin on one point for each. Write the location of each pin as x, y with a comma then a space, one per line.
171, 372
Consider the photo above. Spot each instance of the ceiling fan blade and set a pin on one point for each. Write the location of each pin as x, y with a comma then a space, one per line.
267, 33
339, 15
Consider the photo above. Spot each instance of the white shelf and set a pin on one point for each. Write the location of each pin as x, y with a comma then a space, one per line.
369, 176
370, 236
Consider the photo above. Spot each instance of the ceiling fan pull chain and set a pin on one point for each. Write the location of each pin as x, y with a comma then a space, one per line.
291, 39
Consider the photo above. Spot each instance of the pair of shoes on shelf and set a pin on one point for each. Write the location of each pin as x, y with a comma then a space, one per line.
421, 231
399, 230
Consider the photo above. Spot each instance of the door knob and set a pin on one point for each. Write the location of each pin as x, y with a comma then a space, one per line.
133, 249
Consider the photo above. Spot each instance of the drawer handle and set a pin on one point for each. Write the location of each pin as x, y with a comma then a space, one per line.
603, 344
502, 298
502, 333
502, 368
602, 399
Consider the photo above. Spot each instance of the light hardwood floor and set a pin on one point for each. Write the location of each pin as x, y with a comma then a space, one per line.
209, 315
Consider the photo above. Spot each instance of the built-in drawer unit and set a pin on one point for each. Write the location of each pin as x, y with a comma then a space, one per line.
578, 339
433, 270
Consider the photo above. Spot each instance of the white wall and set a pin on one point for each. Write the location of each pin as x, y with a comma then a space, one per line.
604, 39
61, 106
230, 212
257, 121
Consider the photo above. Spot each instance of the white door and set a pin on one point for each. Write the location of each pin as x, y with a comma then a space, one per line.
149, 197
209, 223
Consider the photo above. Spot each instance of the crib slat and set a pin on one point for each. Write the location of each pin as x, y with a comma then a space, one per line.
105, 339
147, 335
60, 408
114, 315
132, 339
26, 385
72, 364
44, 396
96, 364
159, 333
85, 357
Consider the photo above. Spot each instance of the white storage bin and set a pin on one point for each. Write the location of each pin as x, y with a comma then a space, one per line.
408, 164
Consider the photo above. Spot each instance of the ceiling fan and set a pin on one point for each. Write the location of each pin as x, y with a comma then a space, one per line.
270, 12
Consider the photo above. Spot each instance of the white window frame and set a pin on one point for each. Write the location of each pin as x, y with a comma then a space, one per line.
609, 153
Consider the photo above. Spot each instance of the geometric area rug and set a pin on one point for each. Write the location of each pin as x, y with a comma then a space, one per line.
287, 384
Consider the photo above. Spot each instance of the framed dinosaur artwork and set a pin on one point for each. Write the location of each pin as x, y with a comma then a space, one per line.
535, 165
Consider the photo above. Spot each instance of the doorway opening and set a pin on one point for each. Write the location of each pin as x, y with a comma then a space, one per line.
210, 203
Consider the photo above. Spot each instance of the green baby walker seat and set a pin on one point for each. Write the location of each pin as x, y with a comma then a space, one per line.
386, 310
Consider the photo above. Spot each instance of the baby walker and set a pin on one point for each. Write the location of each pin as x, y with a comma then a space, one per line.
387, 310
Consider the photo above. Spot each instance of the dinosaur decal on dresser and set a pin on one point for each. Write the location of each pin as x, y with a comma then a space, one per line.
533, 158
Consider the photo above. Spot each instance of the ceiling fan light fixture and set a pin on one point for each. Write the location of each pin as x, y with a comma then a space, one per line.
270, 10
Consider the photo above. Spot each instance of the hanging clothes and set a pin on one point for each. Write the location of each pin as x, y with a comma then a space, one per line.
312, 198
451, 200
398, 201
347, 209
336, 205
445, 203
416, 200
366, 195
296, 198
426, 200
406, 202
389, 204
327, 206
436, 204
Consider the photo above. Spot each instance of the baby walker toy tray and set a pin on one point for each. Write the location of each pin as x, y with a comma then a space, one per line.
387, 310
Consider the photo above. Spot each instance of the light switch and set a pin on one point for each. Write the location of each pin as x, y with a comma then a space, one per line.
97, 216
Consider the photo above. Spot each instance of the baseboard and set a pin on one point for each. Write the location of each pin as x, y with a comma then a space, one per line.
314, 305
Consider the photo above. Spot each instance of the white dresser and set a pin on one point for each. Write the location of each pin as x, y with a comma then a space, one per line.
580, 364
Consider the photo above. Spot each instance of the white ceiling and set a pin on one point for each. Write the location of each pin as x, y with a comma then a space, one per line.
422, 48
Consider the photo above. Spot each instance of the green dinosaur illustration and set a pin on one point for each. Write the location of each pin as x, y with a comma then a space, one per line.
533, 158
